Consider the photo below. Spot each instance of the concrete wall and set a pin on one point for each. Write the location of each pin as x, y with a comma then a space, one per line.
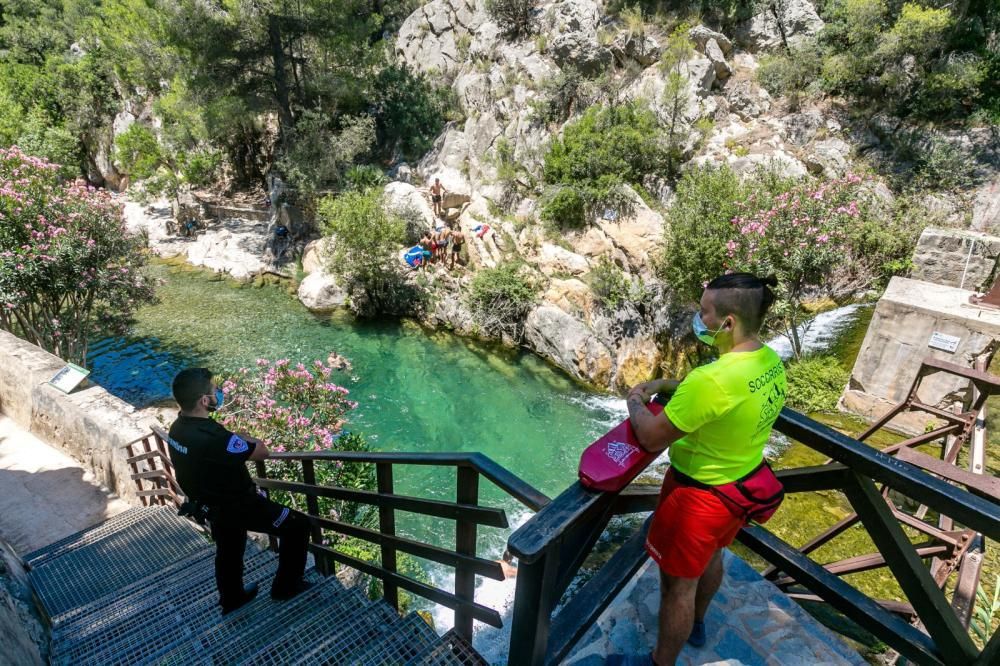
89, 424
956, 258
897, 340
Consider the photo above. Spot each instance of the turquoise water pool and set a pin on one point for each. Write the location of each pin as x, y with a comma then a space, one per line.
417, 390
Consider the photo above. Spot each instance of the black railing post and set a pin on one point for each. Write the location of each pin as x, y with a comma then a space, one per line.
272, 543
465, 544
312, 505
534, 599
387, 525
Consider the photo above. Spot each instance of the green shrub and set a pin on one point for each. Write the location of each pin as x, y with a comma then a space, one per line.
604, 149
613, 288
500, 299
815, 383
363, 177
698, 227
365, 239
515, 17
565, 207
795, 72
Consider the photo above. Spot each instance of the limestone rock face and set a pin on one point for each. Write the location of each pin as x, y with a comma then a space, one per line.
643, 49
747, 99
638, 360
801, 128
569, 343
573, 35
571, 296
553, 259
986, 207
429, 38
320, 292
797, 19
714, 53
638, 237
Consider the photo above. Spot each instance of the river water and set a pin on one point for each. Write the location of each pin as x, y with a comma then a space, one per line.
417, 391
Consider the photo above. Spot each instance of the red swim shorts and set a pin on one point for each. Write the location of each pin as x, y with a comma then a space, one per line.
689, 525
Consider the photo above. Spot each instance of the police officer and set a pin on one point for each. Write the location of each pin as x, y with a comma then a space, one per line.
210, 464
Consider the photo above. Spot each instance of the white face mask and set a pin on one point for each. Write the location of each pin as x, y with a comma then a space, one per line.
702, 332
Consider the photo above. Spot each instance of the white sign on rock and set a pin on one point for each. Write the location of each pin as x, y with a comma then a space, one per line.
948, 343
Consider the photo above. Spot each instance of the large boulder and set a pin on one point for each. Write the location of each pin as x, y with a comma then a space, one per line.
316, 254
747, 99
701, 36
568, 343
780, 21
411, 205
829, 157
320, 292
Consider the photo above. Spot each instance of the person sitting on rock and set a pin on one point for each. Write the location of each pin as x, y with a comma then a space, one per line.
190, 227
437, 193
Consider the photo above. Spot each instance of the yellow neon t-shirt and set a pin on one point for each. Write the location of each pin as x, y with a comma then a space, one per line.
727, 408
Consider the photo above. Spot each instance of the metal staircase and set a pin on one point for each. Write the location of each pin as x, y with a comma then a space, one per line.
140, 589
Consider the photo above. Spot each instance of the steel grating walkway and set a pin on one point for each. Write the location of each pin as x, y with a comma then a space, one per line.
140, 589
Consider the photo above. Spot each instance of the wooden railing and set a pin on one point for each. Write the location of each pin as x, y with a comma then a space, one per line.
152, 470
554, 543
466, 511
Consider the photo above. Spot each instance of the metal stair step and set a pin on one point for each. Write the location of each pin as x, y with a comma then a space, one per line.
303, 636
119, 616
240, 636
90, 535
86, 573
450, 650
189, 570
398, 643
333, 650
173, 618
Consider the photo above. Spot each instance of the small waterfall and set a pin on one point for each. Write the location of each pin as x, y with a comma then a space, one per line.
818, 333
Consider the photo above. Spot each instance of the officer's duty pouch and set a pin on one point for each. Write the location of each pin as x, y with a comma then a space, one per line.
193, 510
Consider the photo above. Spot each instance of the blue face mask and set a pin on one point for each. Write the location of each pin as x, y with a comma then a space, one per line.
702, 332
220, 398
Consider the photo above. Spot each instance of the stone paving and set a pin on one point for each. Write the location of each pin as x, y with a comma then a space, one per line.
45, 495
750, 622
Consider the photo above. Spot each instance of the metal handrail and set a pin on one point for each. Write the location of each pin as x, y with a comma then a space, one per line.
499, 475
465, 511
553, 543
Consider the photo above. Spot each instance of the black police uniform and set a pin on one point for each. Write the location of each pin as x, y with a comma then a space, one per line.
210, 464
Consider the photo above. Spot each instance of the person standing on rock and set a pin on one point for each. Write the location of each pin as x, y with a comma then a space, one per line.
457, 240
210, 463
715, 425
437, 194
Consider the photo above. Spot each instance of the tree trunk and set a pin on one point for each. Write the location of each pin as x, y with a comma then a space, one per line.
285, 119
